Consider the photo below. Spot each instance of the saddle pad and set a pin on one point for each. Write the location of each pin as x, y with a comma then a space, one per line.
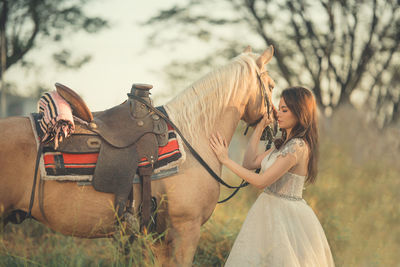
55, 165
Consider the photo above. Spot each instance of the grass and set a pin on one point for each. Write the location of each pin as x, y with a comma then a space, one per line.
31, 244
356, 198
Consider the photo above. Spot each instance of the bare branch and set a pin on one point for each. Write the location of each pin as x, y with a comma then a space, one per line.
250, 4
366, 55
352, 34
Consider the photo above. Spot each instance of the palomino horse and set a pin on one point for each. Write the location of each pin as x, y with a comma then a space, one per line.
218, 101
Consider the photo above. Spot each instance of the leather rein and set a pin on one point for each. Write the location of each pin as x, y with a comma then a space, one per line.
194, 152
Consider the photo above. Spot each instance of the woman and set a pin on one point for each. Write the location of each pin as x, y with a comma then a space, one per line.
280, 228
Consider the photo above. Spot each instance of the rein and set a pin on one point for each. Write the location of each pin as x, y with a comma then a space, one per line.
194, 152
39, 154
191, 149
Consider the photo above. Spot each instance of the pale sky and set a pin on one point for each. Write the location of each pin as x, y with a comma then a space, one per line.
119, 56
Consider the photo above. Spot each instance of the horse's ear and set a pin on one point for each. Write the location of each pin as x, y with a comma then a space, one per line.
247, 50
265, 57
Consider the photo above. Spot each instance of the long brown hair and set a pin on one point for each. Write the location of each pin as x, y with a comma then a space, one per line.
301, 103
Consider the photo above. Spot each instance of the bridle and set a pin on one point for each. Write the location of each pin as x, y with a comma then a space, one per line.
266, 101
264, 96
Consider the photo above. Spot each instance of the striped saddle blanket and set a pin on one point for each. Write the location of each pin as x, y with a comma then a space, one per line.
61, 166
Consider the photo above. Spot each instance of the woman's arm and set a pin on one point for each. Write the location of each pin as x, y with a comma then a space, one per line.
269, 176
252, 160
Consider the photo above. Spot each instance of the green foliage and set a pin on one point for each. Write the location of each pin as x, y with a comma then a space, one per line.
27, 24
63, 58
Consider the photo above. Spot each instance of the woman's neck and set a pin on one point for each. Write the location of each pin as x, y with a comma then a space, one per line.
288, 132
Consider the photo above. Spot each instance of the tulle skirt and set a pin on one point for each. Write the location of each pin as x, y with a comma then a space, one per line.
280, 232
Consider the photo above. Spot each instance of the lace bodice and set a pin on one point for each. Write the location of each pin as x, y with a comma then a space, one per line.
290, 185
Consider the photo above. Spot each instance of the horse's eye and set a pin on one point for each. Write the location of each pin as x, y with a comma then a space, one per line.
271, 86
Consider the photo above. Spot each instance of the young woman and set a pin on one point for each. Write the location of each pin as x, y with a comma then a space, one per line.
280, 228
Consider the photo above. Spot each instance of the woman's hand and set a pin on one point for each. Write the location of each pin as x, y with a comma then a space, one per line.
220, 147
265, 121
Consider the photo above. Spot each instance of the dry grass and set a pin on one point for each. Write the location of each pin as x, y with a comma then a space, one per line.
356, 199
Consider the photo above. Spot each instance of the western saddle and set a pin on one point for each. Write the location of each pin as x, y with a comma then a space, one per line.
122, 135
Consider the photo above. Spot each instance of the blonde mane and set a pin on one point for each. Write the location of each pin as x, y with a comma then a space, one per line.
201, 103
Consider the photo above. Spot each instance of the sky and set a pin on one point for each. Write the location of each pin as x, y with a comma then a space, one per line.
119, 56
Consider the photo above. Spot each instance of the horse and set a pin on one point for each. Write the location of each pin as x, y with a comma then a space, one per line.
216, 102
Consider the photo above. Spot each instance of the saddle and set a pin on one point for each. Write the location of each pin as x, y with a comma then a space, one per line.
122, 136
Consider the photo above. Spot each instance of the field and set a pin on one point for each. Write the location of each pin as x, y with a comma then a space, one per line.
356, 198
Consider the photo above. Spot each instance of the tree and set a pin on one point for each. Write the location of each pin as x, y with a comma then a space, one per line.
23, 23
341, 49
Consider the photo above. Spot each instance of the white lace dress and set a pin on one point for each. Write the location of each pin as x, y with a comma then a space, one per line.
281, 229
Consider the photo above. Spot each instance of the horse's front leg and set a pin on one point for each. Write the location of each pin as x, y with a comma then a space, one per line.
182, 239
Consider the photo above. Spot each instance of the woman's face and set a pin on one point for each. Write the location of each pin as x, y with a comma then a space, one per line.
286, 118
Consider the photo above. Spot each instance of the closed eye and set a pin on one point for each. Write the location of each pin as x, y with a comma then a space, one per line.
271, 87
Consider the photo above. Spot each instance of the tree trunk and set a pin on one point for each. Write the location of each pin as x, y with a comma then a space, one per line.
3, 59
2, 82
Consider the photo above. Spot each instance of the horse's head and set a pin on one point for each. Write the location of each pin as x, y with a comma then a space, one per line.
259, 101
240, 89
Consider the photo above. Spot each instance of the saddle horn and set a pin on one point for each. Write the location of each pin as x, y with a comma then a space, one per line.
142, 91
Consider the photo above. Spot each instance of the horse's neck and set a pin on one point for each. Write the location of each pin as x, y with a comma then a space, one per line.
225, 123
201, 111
